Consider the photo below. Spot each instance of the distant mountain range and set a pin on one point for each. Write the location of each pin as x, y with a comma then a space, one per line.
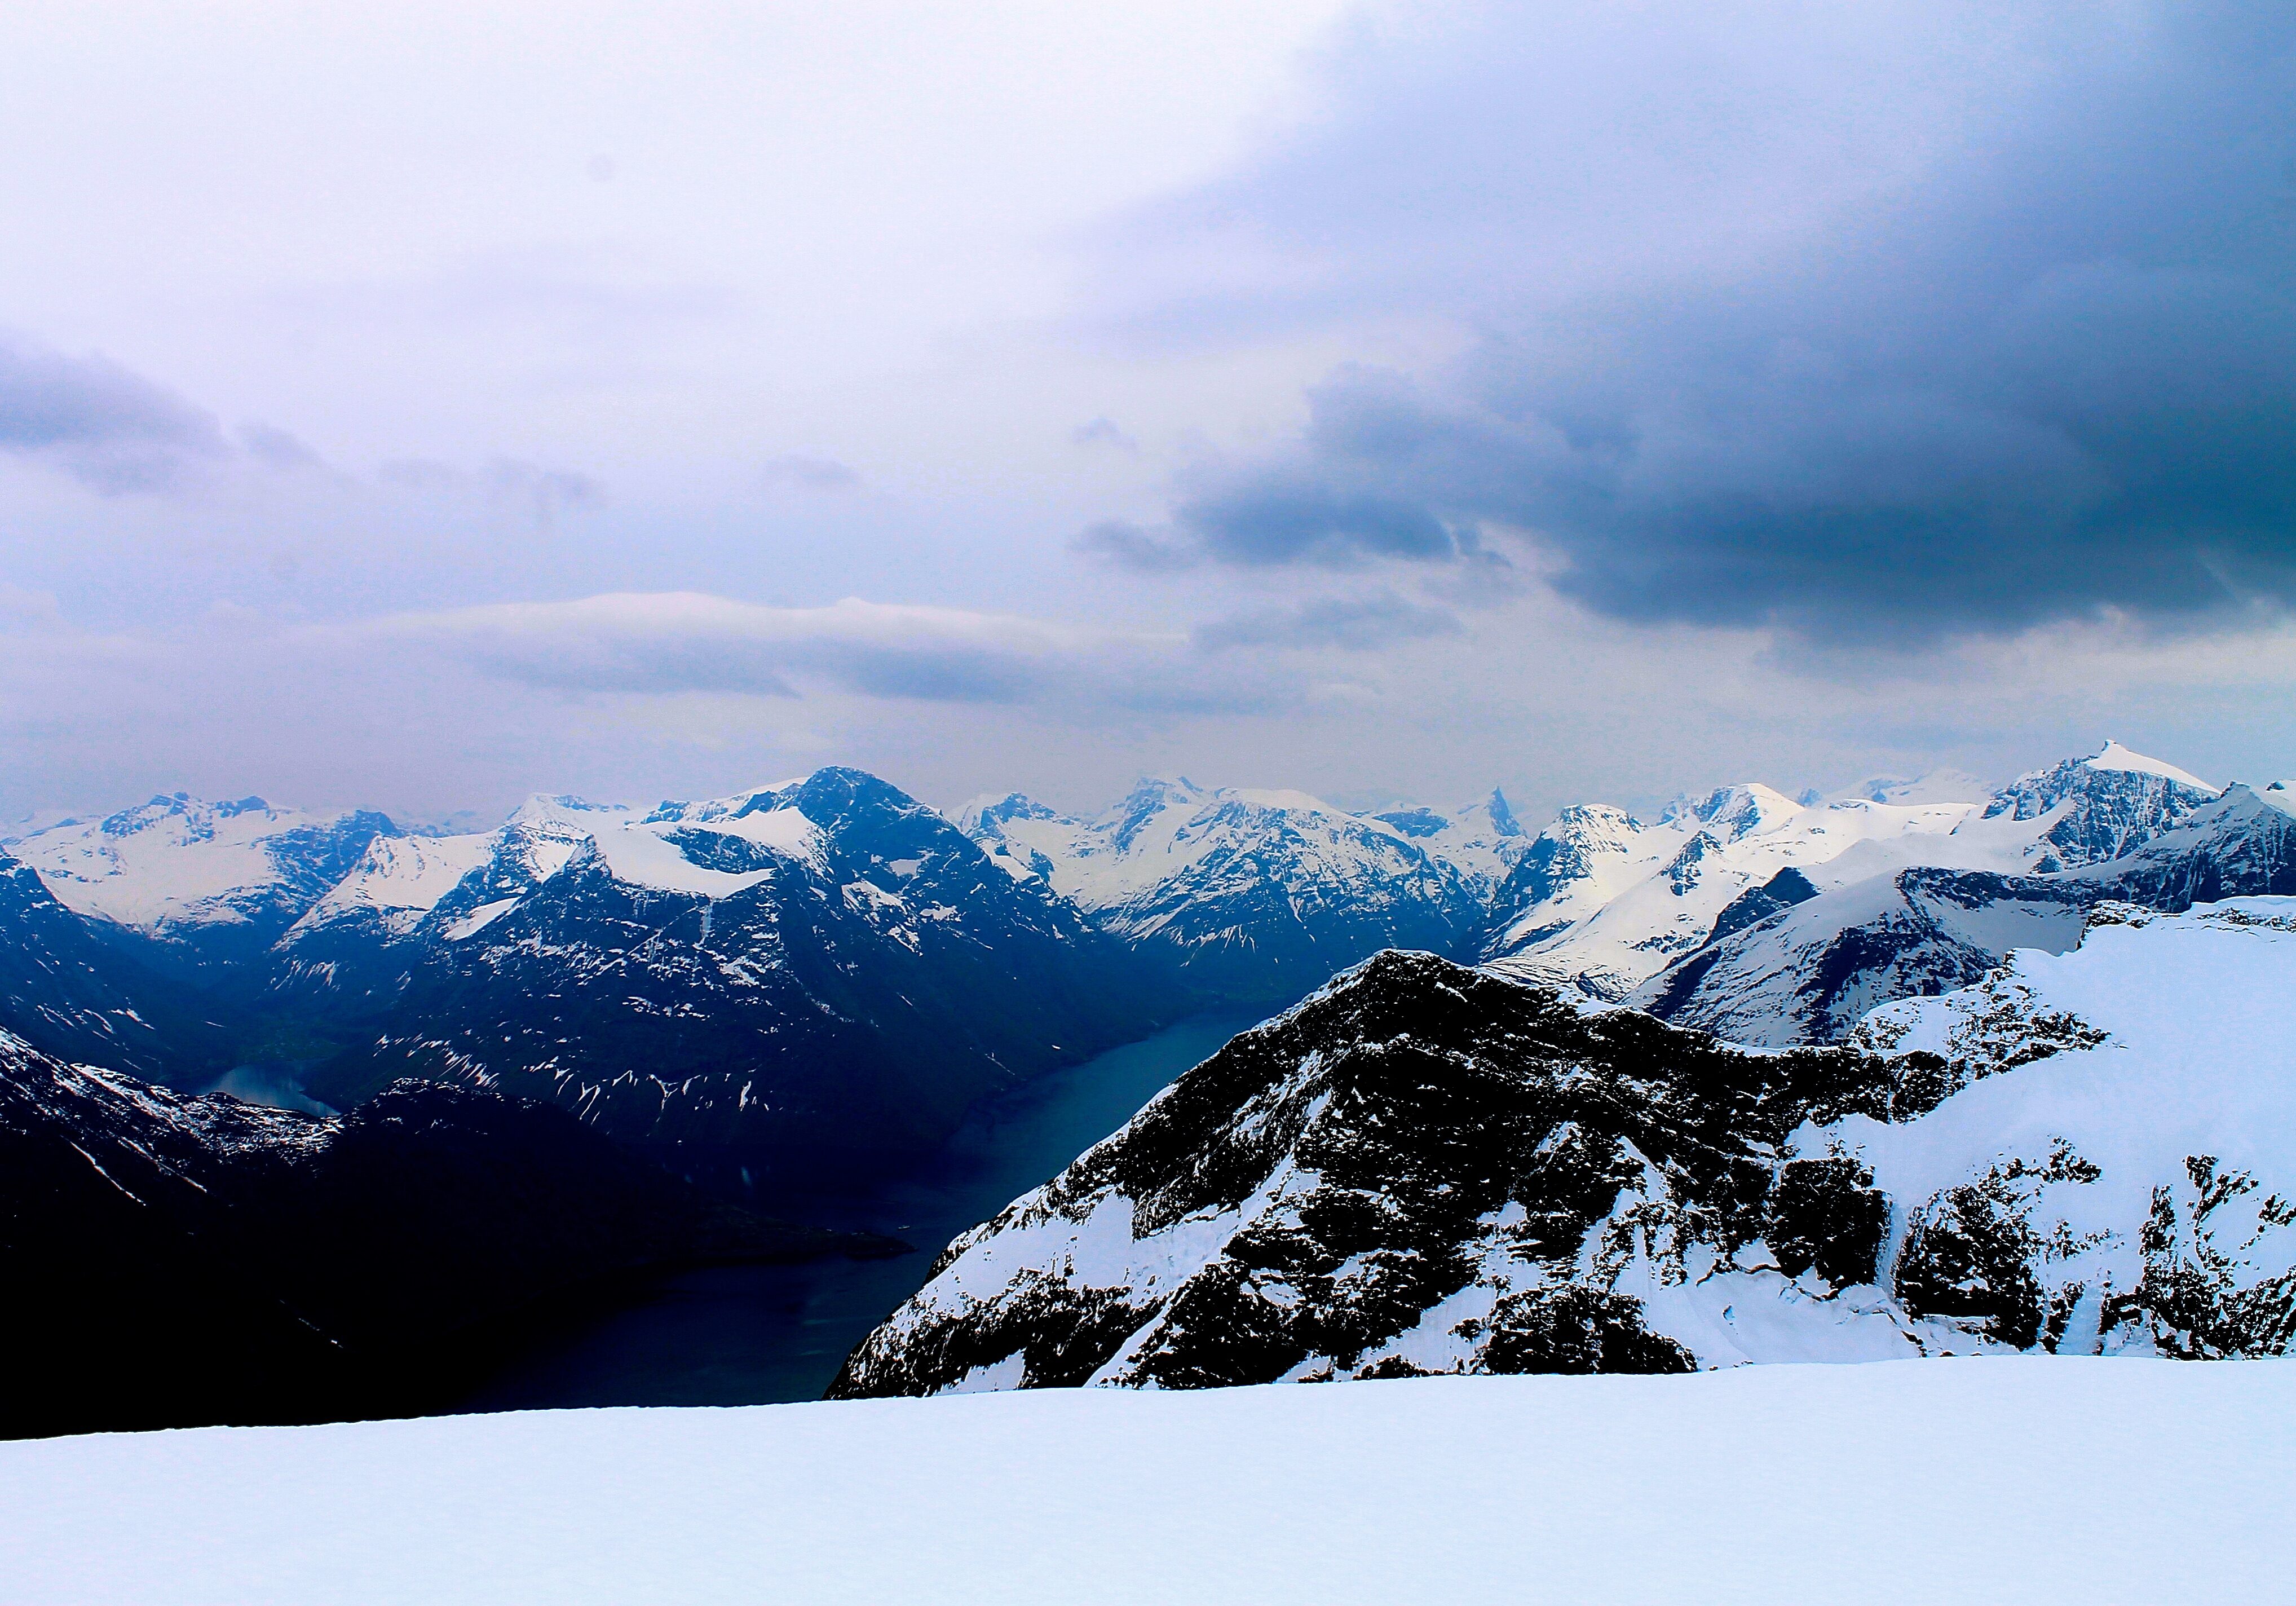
1424, 1168
1257, 895
827, 968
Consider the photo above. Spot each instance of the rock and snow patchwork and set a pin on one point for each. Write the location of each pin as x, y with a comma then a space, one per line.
1483, 840
1425, 1169
67, 993
828, 966
207, 882
1802, 964
2013, 1481
1256, 895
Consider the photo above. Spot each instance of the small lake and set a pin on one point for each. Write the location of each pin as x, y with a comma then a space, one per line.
745, 1335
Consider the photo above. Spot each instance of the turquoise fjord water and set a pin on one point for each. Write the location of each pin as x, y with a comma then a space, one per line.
747, 1335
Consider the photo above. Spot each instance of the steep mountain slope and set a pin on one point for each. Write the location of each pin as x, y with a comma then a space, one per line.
1256, 895
355, 950
1804, 969
827, 972
172, 1259
1424, 1168
199, 890
1603, 903
66, 993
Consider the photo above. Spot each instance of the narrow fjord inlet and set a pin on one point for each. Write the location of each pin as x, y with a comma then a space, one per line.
754, 1334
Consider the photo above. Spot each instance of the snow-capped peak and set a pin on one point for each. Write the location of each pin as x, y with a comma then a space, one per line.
1931, 786
553, 808
1731, 812
2115, 756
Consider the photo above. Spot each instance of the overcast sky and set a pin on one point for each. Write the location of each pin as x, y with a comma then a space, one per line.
418, 406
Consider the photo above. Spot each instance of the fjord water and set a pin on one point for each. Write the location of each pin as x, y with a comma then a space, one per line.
757, 1334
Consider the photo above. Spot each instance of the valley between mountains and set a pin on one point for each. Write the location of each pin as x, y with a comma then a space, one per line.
1928, 1067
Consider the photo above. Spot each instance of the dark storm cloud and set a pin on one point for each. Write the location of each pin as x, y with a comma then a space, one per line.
2015, 342
1356, 624
110, 429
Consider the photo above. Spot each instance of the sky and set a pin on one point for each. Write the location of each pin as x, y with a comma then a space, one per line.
418, 406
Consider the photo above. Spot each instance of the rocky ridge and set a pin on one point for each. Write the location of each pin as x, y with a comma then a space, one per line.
1424, 1168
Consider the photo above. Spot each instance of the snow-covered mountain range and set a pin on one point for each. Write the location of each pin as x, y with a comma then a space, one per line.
1257, 895
1604, 902
200, 889
825, 969
1424, 1168
65, 991
828, 955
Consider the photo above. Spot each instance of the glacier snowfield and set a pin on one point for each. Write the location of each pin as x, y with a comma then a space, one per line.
2006, 1480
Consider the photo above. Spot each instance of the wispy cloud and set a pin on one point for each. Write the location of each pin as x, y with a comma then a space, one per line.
678, 642
1352, 624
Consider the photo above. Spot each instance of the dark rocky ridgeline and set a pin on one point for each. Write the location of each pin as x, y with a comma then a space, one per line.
171, 1260
1424, 1168
65, 992
845, 1008
1400, 1175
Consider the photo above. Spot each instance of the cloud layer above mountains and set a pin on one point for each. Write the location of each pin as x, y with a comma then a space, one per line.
1351, 394
1865, 321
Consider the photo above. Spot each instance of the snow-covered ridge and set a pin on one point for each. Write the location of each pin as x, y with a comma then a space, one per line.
178, 862
1604, 902
2112, 756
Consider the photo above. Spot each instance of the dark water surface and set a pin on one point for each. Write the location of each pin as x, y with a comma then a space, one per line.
747, 1335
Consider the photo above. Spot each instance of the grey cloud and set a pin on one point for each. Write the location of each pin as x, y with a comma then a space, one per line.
1129, 546
109, 428
2043, 363
1356, 624
812, 473
666, 644
544, 494
275, 448
1103, 432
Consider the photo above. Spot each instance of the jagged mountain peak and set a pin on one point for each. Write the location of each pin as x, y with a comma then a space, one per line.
982, 815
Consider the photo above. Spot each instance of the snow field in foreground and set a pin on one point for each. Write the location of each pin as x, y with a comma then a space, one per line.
2008, 1479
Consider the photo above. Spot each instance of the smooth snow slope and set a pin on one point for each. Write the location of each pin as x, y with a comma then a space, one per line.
1999, 1480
